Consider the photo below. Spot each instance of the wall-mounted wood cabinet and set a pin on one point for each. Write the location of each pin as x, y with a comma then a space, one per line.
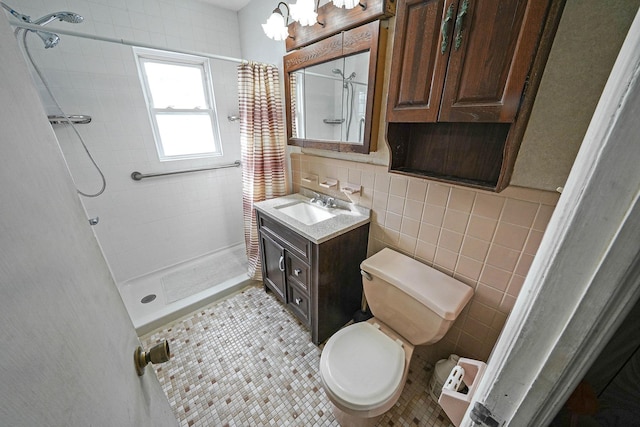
459, 81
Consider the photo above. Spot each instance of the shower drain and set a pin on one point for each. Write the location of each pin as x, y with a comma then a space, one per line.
148, 298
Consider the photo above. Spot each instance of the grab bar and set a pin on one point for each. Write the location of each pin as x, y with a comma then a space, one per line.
137, 176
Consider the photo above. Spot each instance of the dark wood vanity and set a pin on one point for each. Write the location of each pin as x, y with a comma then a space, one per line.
319, 283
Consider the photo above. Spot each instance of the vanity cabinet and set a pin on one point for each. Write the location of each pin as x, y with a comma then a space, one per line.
319, 283
461, 72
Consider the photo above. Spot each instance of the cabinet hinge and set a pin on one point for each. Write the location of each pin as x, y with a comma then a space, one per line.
481, 416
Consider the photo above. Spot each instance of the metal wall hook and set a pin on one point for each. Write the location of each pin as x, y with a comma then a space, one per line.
159, 353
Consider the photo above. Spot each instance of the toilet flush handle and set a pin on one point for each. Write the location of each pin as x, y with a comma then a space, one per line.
366, 275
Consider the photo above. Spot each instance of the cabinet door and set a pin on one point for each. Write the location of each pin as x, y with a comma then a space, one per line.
273, 266
419, 60
493, 44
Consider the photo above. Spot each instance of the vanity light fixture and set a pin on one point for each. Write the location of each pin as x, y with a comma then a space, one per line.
349, 4
276, 27
304, 11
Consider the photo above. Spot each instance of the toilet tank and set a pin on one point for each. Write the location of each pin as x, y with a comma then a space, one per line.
417, 301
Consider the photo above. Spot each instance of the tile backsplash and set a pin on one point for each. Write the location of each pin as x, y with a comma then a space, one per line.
486, 240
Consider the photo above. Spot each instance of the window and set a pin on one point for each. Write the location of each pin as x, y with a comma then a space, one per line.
179, 93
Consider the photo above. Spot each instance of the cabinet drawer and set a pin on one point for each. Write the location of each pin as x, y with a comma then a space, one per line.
297, 272
295, 242
299, 304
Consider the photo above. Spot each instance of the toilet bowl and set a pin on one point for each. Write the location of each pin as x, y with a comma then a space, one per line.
364, 366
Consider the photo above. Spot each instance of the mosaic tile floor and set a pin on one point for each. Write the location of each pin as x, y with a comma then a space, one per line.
246, 361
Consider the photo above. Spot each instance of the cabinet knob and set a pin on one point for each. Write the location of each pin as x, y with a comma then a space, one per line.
297, 271
298, 300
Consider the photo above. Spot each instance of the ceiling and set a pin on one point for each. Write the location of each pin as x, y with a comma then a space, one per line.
228, 4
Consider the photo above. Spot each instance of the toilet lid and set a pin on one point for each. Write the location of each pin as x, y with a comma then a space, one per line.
361, 366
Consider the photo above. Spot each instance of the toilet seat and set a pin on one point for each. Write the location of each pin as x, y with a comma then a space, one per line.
361, 367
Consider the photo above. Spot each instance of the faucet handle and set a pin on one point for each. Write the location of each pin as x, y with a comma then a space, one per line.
331, 202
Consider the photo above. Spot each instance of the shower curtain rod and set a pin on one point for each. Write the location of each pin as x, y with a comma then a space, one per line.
35, 27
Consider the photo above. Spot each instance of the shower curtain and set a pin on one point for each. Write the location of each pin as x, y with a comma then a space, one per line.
262, 148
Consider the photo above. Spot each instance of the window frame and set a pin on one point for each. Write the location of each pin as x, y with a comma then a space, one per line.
143, 55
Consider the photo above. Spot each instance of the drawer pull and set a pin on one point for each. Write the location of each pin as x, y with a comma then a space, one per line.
281, 263
298, 300
297, 271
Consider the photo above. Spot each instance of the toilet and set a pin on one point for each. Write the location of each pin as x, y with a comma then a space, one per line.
364, 366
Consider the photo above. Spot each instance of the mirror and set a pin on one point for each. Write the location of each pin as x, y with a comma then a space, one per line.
331, 99
332, 91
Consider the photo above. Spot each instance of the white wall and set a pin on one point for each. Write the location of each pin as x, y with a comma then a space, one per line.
157, 222
67, 342
256, 46
584, 49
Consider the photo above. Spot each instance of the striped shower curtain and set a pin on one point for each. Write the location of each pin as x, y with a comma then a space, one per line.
263, 145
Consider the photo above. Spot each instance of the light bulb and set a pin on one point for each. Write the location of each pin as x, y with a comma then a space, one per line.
304, 12
275, 27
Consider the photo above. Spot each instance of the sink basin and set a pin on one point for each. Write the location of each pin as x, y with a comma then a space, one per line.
305, 213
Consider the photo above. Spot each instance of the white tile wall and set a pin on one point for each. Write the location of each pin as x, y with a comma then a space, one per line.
153, 223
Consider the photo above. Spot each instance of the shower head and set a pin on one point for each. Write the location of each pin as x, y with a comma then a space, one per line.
71, 17
339, 72
49, 39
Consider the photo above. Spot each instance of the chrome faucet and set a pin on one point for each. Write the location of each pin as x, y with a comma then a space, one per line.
324, 201
317, 199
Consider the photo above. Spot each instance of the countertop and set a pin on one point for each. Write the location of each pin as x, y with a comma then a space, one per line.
347, 217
